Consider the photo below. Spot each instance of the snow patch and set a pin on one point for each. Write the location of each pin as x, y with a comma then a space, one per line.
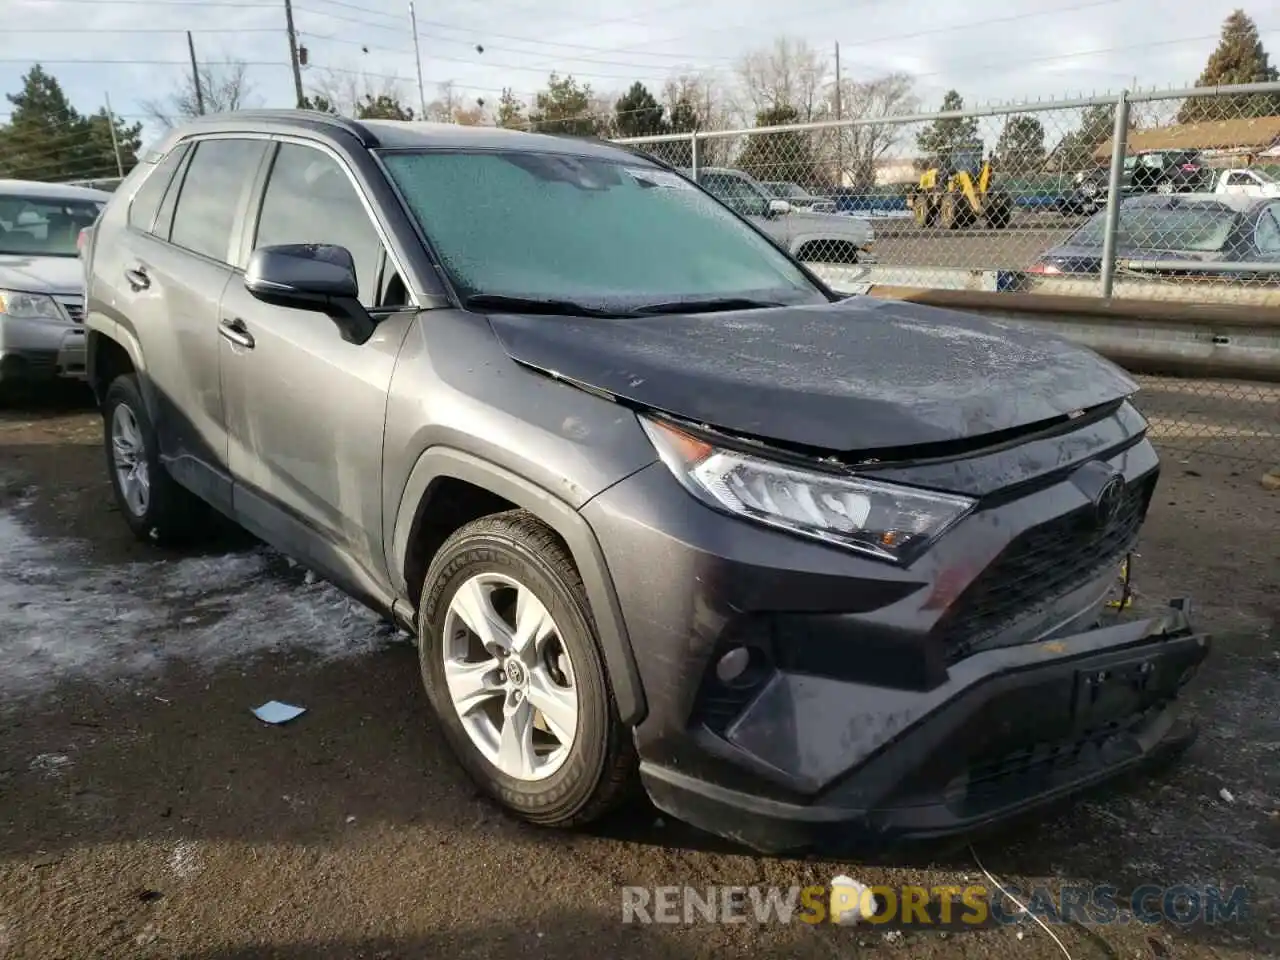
51, 763
64, 618
184, 861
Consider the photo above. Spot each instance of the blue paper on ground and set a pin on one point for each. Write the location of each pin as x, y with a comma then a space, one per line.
276, 712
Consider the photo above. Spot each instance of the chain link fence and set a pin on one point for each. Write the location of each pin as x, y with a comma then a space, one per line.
1018, 199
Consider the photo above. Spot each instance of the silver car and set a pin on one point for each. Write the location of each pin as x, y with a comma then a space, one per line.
811, 237
42, 279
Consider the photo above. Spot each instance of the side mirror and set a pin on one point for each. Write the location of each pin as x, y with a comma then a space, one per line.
779, 207
311, 276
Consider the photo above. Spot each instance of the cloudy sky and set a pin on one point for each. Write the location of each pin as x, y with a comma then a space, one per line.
1034, 49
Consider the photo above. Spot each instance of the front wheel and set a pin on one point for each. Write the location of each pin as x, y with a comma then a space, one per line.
154, 505
512, 668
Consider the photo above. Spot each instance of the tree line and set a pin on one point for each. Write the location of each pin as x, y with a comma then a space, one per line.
786, 83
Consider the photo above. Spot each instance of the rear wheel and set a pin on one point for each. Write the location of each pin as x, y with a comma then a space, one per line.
154, 505
512, 668
999, 211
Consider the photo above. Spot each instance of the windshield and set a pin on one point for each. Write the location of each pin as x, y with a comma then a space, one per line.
1263, 176
43, 226
614, 234
1203, 229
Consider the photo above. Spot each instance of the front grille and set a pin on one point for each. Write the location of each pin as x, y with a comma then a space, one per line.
1042, 564
74, 307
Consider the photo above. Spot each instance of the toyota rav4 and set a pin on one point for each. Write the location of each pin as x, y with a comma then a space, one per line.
659, 507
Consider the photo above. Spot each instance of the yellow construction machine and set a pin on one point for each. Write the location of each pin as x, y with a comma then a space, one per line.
959, 195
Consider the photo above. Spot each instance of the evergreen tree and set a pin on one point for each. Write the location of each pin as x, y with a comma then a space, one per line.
638, 114
787, 155
564, 107
510, 111
943, 140
48, 139
1239, 58
1020, 148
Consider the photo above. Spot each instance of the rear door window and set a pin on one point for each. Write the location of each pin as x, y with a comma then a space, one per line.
219, 176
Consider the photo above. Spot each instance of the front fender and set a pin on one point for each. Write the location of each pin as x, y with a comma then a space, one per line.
440, 462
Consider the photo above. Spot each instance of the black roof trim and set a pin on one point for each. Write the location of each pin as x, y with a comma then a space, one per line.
311, 120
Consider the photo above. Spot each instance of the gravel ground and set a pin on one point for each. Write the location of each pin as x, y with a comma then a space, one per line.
145, 813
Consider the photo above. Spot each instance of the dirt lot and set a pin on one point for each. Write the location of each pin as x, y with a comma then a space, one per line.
145, 813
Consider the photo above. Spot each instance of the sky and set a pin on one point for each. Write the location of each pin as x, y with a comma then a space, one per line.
1034, 49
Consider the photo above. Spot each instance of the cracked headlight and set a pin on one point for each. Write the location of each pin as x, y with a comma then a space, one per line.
29, 306
885, 520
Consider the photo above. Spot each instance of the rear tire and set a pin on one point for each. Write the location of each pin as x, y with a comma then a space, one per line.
154, 505
500, 565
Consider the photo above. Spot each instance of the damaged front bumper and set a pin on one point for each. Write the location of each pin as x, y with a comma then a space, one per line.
1010, 729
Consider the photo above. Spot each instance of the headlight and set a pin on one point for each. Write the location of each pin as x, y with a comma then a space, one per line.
884, 520
29, 306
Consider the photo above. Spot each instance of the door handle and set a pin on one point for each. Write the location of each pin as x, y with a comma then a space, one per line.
137, 277
236, 331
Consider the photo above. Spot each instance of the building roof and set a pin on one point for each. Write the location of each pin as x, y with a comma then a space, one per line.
1256, 133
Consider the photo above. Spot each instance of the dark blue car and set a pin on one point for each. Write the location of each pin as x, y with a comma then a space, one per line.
1179, 234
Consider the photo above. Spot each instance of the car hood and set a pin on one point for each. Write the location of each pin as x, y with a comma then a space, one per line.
854, 376
58, 275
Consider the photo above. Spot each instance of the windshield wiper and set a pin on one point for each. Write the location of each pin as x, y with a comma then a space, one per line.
565, 308
706, 306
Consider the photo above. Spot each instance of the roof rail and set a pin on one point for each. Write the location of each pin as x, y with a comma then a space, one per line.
312, 118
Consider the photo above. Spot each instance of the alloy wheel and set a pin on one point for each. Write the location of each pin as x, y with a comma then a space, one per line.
509, 676
129, 454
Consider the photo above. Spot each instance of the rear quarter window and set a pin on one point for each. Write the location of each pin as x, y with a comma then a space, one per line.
146, 201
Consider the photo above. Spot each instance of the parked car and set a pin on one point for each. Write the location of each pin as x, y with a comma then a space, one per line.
1147, 171
1247, 183
798, 196
41, 279
657, 505
811, 237
1199, 229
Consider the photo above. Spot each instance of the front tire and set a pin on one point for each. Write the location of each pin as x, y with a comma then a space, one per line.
512, 668
156, 508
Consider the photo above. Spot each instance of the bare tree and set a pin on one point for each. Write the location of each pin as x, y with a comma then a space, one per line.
223, 86
349, 94
701, 101
858, 150
449, 106
790, 73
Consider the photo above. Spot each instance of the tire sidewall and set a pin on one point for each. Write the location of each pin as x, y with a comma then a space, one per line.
560, 795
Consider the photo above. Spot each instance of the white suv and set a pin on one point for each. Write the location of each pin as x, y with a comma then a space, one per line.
810, 237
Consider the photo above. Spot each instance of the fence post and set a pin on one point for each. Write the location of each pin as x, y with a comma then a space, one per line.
693, 155
1119, 141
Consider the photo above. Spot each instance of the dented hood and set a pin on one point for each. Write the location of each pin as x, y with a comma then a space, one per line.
857, 375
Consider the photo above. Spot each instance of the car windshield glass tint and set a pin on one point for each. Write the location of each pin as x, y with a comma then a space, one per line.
615, 234
1202, 230
43, 226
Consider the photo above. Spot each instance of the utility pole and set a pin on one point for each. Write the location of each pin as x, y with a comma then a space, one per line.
293, 54
417, 62
195, 75
839, 130
115, 140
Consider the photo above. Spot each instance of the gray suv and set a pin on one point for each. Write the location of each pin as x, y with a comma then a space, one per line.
659, 507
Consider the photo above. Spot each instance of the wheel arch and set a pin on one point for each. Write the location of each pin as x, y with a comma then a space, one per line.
440, 465
110, 353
